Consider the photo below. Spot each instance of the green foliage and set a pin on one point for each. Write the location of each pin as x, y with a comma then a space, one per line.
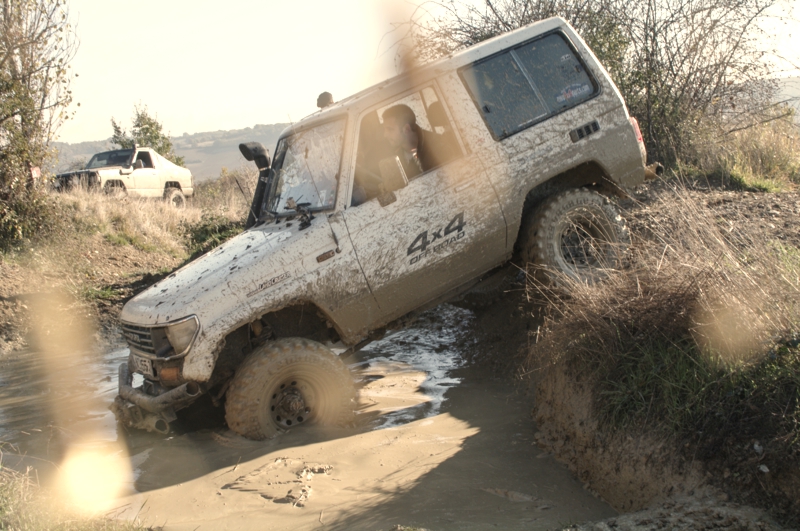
211, 231
37, 44
694, 394
106, 293
146, 131
26, 214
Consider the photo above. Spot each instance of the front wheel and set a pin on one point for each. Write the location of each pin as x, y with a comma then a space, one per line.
578, 233
288, 383
175, 198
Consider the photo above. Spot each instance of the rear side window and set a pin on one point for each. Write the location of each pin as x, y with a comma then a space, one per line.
527, 84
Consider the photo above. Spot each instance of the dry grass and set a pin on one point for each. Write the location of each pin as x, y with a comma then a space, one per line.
25, 506
697, 338
147, 224
230, 195
155, 226
764, 157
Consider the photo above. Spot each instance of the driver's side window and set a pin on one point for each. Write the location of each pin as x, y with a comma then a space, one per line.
144, 156
401, 140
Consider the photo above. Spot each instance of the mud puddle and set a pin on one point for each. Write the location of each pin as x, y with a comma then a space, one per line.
41, 412
408, 372
438, 445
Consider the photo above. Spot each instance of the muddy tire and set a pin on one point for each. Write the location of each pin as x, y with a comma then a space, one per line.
578, 233
288, 383
174, 197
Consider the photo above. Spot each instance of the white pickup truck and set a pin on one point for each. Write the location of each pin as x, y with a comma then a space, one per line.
137, 172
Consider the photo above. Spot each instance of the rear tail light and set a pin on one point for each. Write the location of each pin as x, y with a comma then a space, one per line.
639, 139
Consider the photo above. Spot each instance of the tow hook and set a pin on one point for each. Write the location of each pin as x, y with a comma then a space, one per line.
653, 171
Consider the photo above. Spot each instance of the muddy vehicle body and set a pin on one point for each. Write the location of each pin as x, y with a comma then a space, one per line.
344, 238
136, 172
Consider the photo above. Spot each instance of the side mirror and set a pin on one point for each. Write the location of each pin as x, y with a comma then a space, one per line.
126, 171
255, 151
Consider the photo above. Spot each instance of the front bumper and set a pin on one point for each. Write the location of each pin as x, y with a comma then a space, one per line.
136, 409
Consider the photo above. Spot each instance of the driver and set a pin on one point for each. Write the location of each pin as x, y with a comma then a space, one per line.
419, 150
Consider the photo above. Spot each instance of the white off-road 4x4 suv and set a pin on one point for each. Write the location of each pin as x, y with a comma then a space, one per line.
136, 172
386, 203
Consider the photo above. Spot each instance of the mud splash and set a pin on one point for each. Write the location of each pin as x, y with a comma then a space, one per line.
409, 371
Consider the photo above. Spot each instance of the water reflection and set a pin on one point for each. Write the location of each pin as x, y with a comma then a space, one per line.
426, 351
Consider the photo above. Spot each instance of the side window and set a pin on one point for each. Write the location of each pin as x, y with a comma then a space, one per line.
147, 161
503, 94
519, 87
409, 136
558, 74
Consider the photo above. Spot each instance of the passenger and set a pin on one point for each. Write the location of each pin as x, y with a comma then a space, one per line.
372, 148
419, 150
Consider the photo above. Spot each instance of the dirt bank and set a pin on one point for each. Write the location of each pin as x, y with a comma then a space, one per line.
634, 470
99, 276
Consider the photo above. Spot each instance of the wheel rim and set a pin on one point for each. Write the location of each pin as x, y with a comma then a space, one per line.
585, 240
293, 403
177, 201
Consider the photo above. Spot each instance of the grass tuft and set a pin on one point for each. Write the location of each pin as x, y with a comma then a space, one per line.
761, 158
211, 231
696, 338
24, 506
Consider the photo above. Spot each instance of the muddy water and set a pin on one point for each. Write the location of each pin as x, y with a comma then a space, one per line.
438, 445
30, 431
415, 367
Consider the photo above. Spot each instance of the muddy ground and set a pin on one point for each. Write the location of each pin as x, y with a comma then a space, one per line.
442, 444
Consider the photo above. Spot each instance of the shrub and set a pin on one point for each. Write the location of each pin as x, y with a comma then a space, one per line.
24, 215
211, 231
696, 338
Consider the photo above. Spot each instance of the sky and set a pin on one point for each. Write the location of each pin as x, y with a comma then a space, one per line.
202, 65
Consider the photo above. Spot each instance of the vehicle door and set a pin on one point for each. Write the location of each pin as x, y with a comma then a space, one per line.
145, 179
440, 230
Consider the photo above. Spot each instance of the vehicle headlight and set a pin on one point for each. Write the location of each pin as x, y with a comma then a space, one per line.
181, 334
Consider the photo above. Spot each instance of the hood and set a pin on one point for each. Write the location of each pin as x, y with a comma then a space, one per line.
222, 279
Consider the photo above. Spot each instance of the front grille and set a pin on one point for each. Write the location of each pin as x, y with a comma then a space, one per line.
139, 338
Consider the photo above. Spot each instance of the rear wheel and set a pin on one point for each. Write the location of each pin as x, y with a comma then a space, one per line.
175, 197
578, 233
288, 383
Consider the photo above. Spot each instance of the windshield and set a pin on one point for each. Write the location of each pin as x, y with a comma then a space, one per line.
119, 157
307, 169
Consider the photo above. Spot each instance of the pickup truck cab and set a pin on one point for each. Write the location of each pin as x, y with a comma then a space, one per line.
383, 204
136, 172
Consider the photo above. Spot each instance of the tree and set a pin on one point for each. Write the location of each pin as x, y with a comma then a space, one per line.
146, 131
36, 45
681, 65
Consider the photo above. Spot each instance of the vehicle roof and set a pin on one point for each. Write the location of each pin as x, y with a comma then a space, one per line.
385, 89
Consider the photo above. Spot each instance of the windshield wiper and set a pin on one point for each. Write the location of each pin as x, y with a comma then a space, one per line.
302, 209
